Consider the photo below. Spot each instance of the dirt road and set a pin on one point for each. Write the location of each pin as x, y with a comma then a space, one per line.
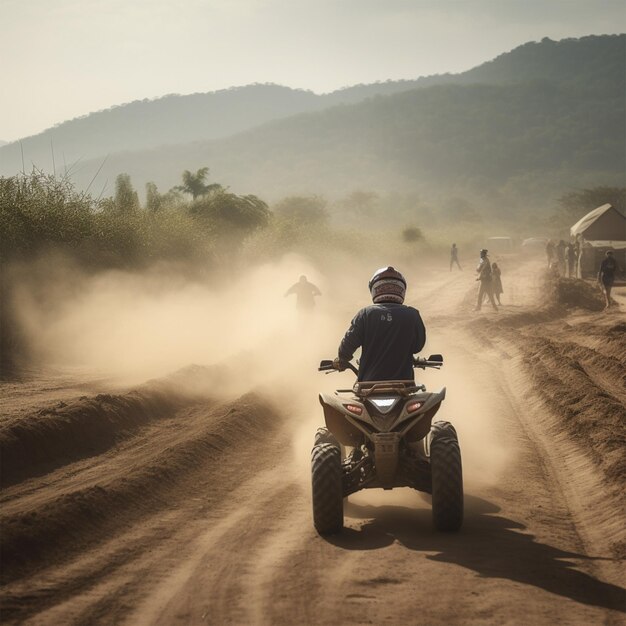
193, 505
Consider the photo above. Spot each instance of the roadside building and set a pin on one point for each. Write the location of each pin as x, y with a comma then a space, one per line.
600, 230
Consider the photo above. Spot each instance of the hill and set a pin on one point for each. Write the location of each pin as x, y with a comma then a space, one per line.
176, 119
524, 137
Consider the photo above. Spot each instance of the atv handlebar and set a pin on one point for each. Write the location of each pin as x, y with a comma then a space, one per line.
434, 360
328, 366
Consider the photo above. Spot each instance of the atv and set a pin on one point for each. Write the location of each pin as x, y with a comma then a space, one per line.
381, 435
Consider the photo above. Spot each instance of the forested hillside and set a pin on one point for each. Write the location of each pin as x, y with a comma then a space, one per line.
173, 119
528, 137
595, 62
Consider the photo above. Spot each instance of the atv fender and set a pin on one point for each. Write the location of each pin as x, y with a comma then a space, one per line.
341, 425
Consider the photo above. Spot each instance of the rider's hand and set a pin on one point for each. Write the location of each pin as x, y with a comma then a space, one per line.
338, 364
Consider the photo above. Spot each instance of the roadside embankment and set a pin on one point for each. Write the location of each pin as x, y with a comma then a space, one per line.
574, 361
40, 441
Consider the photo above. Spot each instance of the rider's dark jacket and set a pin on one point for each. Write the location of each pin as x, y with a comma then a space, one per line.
390, 335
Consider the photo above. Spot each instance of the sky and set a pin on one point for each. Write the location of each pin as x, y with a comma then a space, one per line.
61, 59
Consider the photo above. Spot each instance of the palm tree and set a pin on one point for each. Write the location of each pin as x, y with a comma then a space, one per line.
195, 185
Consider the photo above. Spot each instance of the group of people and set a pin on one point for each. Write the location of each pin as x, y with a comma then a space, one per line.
489, 275
490, 278
563, 257
390, 333
560, 256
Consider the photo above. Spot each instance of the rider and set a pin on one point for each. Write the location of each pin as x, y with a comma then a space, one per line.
389, 332
305, 294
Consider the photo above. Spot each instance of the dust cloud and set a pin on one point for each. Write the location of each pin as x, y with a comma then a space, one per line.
131, 326
138, 325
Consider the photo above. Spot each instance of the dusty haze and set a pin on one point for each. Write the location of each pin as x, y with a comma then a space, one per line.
132, 326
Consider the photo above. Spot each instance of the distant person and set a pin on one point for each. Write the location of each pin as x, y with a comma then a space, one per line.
305, 294
579, 256
454, 257
560, 257
606, 276
570, 254
550, 251
485, 278
496, 275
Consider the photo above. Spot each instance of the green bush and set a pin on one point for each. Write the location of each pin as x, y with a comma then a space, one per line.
40, 213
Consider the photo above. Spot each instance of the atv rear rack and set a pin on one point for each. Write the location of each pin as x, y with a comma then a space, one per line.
378, 388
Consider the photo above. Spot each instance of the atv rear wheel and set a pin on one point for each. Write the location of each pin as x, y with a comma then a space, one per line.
447, 478
323, 435
327, 490
442, 429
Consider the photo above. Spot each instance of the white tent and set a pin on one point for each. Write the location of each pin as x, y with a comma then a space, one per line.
605, 223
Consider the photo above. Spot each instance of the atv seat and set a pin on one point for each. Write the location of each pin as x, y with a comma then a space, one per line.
386, 387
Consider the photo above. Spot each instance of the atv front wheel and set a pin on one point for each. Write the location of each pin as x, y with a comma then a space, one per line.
447, 479
327, 491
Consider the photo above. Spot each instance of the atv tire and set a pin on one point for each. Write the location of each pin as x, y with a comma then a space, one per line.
327, 489
447, 479
323, 435
442, 429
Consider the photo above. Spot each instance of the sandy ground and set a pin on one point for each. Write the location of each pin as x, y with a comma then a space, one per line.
192, 505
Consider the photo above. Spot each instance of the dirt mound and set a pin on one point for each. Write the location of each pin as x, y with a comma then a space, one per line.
83, 505
574, 293
584, 388
577, 364
41, 441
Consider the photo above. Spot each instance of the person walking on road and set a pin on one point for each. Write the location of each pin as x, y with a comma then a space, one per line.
454, 257
550, 251
497, 282
560, 257
485, 278
606, 276
305, 294
570, 253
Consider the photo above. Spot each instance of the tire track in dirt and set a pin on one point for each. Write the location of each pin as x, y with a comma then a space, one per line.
246, 552
50, 527
41, 441
519, 553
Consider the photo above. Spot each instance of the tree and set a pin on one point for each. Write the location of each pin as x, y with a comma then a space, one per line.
229, 211
195, 185
154, 200
577, 203
126, 199
303, 209
361, 202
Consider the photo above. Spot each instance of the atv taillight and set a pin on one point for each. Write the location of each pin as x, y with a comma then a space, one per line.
354, 408
414, 406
